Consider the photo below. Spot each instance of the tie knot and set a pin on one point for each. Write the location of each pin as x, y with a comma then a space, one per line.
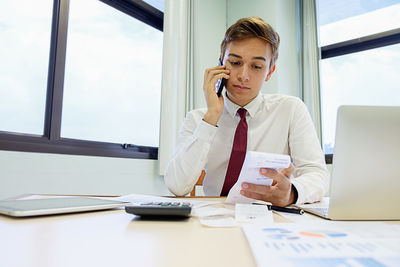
242, 113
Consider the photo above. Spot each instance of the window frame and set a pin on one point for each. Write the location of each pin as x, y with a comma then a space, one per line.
51, 140
372, 41
361, 44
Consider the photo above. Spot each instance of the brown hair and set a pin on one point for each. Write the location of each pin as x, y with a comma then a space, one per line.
249, 28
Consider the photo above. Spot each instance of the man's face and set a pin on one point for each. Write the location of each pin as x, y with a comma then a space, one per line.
248, 61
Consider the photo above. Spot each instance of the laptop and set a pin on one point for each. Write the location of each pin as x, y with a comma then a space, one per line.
365, 180
48, 206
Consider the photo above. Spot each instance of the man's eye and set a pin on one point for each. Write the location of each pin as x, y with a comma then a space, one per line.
257, 67
234, 63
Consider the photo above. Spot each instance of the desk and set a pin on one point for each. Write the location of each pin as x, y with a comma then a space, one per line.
115, 238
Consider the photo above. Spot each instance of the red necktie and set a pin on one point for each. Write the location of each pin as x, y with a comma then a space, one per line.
237, 155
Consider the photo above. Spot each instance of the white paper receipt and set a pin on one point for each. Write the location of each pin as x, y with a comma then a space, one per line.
248, 213
250, 172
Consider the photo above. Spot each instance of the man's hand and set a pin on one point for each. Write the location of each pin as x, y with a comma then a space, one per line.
280, 193
215, 104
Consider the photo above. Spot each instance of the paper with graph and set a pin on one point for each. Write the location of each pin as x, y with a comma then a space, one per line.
325, 244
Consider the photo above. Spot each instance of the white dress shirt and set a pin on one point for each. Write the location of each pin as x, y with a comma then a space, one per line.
276, 124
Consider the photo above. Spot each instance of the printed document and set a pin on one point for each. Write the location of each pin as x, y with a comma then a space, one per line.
352, 244
250, 172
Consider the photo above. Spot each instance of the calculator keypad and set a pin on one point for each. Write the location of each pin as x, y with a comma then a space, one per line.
161, 209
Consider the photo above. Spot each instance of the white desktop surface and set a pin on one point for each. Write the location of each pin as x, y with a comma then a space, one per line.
115, 238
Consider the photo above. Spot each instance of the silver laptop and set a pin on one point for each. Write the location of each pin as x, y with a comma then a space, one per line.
47, 206
365, 181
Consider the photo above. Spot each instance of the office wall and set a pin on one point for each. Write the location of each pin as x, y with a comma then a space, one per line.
209, 26
22, 173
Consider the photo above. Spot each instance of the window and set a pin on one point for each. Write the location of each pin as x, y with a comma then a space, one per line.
360, 57
98, 93
24, 53
112, 76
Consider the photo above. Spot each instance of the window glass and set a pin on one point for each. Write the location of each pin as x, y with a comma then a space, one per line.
343, 20
159, 4
112, 87
370, 77
25, 29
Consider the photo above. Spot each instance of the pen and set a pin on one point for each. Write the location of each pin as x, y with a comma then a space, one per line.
289, 210
282, 209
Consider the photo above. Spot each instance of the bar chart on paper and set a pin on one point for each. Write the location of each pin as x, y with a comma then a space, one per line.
336, 244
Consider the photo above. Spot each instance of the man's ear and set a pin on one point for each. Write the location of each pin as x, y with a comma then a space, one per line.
270, 73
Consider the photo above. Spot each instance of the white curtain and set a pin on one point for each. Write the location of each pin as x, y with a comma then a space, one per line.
311, 55
175, 92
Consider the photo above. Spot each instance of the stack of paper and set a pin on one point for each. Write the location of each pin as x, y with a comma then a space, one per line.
250, 172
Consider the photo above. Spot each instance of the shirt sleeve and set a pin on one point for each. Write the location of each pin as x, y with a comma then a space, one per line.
311, 174
190, 155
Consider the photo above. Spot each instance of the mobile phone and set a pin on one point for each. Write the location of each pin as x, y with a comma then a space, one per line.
220, 83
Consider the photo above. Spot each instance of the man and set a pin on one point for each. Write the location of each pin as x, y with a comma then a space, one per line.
210, 138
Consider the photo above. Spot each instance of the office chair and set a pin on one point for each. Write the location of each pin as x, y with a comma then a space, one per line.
198, 183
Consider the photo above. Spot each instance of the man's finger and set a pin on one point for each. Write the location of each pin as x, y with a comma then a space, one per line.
211, 73
288, 171
268, 172
276, 176
255, 195
214, 79
255, 188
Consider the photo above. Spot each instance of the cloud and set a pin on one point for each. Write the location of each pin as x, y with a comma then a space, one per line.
112, 86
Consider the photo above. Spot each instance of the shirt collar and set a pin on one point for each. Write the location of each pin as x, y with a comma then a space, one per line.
251, 107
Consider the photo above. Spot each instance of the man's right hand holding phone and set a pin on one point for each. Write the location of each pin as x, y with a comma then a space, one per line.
215, 104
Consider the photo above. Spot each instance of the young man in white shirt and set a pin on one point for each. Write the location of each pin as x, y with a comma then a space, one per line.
274, 124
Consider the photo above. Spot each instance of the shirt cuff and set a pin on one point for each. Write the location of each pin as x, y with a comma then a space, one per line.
206, 131
300, 192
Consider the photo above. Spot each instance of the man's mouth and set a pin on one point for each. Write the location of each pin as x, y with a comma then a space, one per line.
240, 87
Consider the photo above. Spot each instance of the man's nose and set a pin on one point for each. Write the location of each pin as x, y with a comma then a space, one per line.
243, 74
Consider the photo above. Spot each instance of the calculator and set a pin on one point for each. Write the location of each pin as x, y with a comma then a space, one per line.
160, 209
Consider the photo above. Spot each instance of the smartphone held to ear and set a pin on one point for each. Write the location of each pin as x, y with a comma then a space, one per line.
220, 83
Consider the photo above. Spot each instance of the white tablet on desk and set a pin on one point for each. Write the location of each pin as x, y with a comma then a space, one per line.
47, 206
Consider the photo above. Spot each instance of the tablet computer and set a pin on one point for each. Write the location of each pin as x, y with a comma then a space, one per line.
47, 206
